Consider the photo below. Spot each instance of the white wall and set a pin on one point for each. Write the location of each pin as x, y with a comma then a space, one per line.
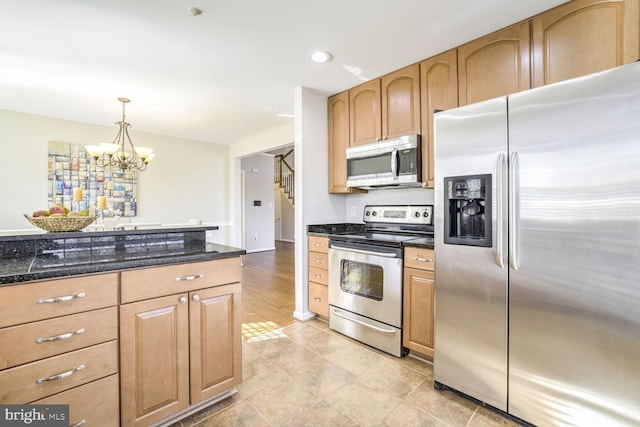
313, 202
287, 219
187, 179
259, 220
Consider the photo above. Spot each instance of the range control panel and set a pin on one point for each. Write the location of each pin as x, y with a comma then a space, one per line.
400, 214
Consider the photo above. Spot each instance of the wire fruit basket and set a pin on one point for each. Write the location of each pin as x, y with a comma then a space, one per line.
61, 223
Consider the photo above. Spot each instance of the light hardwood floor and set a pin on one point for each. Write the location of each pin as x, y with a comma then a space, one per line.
304, 374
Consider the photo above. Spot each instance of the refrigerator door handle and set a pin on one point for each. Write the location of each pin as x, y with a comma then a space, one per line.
499, 207
514, 210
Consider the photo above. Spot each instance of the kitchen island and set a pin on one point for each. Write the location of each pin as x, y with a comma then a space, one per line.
128, 327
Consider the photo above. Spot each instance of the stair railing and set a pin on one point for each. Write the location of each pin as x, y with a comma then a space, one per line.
284, 175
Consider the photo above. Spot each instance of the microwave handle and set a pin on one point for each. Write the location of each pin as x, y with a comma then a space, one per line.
394, 164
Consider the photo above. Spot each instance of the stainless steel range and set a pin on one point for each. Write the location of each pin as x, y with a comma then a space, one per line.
365, 274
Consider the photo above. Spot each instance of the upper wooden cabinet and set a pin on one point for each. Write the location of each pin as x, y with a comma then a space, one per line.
364, 113
494, 65
338, 113
583, 37
385, 108
439, 91
400, 93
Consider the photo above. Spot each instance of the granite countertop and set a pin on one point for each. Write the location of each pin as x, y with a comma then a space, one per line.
25, 258
423, 242
340, 228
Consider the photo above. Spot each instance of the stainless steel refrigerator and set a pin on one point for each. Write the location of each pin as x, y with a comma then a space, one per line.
537, 249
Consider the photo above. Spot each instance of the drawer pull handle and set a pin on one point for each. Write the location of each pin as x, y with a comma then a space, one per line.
60, 337
319, 245
189, 278
318, 260
61, 299
318, 299
422, 259
318, 276
60, 376
79, 423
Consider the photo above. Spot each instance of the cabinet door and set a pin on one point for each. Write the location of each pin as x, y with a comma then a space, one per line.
215, 337
583, 37
439, 91
400, 96
154, 359
364, 113
418, 311
494, 65
338, 106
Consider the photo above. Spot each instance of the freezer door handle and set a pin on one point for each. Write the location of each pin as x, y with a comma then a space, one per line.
514, 211
499, 206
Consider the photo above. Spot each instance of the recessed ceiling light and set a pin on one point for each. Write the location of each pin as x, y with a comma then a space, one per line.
195, 11
320, 56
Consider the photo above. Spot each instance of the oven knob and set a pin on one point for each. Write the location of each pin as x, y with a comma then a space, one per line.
417, 214
367, 213
426, 214
374, 213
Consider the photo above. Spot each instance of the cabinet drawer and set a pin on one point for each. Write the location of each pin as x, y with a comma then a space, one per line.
318, 244
38, 340
318, 299
43, 300
96, 403
20, 384
419, 258
318, 260
319, 275
146, 283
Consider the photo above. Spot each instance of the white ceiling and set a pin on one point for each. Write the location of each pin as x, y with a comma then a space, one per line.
227, 73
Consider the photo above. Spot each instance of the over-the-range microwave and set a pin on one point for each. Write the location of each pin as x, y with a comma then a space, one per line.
385, 164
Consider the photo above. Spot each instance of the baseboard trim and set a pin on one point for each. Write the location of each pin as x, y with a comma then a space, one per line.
307, 315
273, 248
287, 240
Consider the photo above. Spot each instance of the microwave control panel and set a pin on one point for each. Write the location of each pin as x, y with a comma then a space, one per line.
418, 214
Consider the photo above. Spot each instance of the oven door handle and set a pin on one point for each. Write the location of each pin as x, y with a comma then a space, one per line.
362, 251
360, 322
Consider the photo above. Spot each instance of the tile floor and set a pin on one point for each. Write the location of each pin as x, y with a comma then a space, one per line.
304, 374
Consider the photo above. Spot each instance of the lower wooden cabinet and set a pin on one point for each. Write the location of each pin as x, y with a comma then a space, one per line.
419, 296
93, 404
319, 275
178, 350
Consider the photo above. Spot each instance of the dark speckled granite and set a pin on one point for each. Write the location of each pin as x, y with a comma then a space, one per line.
30, 257
423, 242
342, 228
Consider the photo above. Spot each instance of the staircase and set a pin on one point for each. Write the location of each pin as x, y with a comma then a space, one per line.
284, 176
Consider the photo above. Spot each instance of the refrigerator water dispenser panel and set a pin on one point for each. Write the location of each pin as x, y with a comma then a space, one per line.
468, 199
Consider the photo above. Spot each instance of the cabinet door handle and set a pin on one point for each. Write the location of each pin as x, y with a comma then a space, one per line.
318, 299
189, 278
60, 337
183, 300
79, 423
196, 298
318, 276
61, 299
60, 376
417, 258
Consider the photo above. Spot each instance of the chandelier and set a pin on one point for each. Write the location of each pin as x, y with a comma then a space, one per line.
119, 154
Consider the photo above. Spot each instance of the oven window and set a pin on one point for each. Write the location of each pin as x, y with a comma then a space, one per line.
359, 278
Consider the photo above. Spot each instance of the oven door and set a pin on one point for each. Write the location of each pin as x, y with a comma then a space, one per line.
366, 280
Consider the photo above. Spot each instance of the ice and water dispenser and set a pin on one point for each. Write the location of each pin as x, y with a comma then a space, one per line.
468, 221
